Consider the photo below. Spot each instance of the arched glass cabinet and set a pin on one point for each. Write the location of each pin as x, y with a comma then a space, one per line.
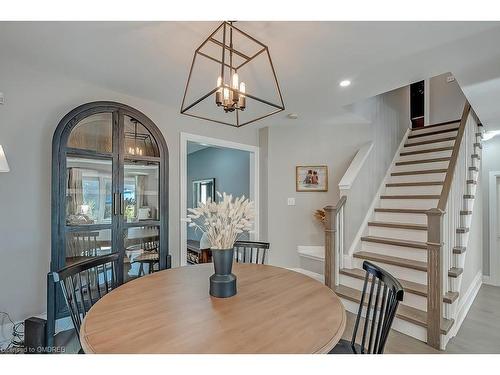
109, 193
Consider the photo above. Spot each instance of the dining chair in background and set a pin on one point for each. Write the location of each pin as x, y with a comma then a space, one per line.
84, 283
251, 251
383, 299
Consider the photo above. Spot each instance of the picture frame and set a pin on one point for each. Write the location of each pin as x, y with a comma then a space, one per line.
312, 178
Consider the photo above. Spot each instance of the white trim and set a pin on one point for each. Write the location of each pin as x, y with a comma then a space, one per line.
376, 198
254, 182
355, 166
494, 271
486, 279
427, 101
466, 302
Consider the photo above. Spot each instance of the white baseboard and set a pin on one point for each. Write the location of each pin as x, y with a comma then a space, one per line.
466, 301
376, 199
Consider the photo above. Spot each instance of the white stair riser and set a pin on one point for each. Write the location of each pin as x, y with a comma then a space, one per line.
418, 177
399, 325
396, 251
471, 189
427, 155
433, 137
428, 145
410, 299
427, 129
400, 217
398, 233
406, 190
473, 175
409, 203
420, 167
397, 271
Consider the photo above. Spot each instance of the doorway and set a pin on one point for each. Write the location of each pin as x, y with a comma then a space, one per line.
208, 166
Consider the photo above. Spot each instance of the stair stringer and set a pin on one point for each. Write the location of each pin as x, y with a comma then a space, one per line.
458, 310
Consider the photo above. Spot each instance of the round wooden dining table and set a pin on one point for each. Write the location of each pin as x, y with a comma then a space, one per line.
276, 310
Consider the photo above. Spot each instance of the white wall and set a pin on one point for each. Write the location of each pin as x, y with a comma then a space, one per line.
35, 101
446, 99
303, 143
490, 162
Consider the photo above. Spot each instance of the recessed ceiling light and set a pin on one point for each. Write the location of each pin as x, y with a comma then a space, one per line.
345, 83
293, 116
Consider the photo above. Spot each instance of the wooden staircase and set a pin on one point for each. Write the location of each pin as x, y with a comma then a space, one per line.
397, 237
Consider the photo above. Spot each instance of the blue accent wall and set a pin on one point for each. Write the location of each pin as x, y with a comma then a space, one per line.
229, 167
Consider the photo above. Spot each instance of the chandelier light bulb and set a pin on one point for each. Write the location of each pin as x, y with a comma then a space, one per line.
235, 81
242, 87
219, 81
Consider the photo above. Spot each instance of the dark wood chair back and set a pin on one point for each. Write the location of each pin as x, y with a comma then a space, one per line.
380, 309
250, 251
84, 283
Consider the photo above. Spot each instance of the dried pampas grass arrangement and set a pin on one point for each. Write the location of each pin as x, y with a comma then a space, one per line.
223, 222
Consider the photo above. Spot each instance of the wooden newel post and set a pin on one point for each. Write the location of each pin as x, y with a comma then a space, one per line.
434, 276
330, 256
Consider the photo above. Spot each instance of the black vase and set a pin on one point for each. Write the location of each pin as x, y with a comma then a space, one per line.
223, 282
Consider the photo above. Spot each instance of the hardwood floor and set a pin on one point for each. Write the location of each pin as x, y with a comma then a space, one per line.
479, 333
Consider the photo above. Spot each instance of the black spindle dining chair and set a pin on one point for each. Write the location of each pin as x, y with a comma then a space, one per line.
250, 251
84, 283
380, 312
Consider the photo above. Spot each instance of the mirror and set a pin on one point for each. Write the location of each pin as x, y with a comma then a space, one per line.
203, 190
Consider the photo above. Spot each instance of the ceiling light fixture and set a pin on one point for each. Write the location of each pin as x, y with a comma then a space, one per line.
491, 134
235, 55
345, 83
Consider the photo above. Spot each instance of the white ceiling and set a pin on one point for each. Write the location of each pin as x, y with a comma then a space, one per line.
151, 59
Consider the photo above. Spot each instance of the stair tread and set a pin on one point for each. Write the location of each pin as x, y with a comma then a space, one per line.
474, 169
388, 259
422, 183
404, 312
462, 230
395, 241
423, 161
475, 156
477, 144
424, 171
455, 272
401, 210
389, 224
408, 286
426, 151
416, 196
459, 249
435, 132
473, 182
429, 141
469, 196
437, 124
465, 212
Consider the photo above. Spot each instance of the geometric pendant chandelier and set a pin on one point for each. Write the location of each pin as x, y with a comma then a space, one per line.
232, 80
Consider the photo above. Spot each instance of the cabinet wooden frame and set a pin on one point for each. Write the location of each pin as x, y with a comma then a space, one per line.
60, 152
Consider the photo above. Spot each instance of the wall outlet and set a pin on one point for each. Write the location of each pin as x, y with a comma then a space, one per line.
450, 79
291, 201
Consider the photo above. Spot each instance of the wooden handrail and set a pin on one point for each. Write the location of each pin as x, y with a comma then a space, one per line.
330, 240
453, 161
